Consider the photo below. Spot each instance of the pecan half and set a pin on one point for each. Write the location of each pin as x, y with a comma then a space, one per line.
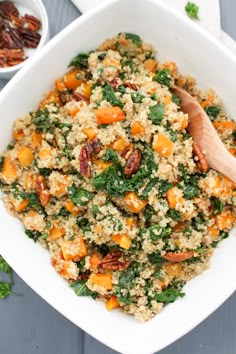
133, 163
127, 151
16, 21
7, 8
96, 145
78, 97
116, 265
83, 276
84, 159
114, 83
3, 63
31, 23
12, 62
178, 256
65, 96
11, 38
30, 39
86, 155
12, 54
42, 191
130, 85
111, 261
201, 157
111, 256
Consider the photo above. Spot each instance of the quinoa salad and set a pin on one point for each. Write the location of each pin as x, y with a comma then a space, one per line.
105, 176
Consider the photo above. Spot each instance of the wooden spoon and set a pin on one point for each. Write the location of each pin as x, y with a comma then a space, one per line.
204, 134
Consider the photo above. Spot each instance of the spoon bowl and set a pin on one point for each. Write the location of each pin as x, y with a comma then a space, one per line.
205, 136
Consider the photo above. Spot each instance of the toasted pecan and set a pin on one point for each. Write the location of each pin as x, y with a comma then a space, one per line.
30, 22
7, 8
130, 85
178, 256
133, 163
201, 157
42, 191
112, 261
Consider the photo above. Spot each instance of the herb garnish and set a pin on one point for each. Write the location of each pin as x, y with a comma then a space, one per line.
163, 77
156, 113
192, 10
218, 206
134, 38
81, 289
80, 61
109, 95
168, 295
79, 196
5, 287
212, 111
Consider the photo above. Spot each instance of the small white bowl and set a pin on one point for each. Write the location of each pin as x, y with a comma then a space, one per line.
37, 9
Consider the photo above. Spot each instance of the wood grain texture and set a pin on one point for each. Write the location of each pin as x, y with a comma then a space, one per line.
30, 326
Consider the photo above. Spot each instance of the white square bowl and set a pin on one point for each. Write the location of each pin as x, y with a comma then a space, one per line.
195, 52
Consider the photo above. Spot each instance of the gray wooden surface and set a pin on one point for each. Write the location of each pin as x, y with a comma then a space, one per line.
28, 325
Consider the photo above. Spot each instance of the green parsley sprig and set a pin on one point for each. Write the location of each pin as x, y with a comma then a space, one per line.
5, 287
192, 10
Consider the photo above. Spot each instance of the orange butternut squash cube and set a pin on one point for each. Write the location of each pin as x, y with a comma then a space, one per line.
109, 115
18, 135
232, 151
102, 165
213, 186
119, 144
112, 303
163, 145
170, 65
90, 133
227, 186
123, 240
150, 65
213, 231
9, 169
45, 152
173, 269
56, 232
72, 208
227, 124
137, 129
98, 229
36, 139
52, 97
130, 222
94, 261
22, 205
60, 85
87, 90
74, 250
59, 188
71, 80
167, 100
73, 111
101, 279
25, 156
225, 220
134, 203
174, 196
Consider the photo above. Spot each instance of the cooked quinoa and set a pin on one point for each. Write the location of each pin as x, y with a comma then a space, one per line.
104, 175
